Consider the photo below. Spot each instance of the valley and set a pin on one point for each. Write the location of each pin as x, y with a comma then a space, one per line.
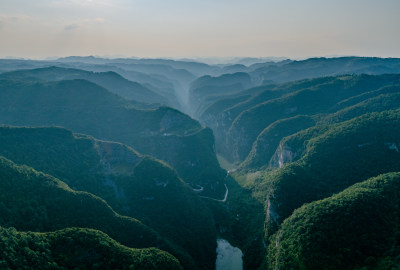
179, 164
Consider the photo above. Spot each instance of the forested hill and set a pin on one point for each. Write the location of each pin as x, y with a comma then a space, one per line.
103, 167
238, 125
355, 229
328, 162
33, 201
134, 185
88, 108
68, 249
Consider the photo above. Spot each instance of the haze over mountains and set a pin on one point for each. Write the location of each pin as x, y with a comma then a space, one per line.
145, 163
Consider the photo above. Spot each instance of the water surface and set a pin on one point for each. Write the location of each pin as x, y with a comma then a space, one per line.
228, 257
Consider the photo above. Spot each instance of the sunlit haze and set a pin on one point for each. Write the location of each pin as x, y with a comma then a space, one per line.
207, 28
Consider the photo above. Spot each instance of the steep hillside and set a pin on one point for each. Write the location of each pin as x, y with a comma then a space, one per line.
262, 153
75, 248
134, 185
87, 108
355, 229
224, 116
320, 97
285, 71
379, 103
329, 159
297, 137
240, 220
268, 141
34, 201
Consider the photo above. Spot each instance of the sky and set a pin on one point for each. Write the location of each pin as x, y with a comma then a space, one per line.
199, 28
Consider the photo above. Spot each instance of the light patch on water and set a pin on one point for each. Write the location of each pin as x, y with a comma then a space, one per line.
228, 257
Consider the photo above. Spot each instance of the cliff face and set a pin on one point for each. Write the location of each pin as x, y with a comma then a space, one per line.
282, 156
320, 161
288, 150
269, 151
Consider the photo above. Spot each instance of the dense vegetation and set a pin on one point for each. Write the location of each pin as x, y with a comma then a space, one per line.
238, 118
75, 248
331, 161
268, 140
295, 135
261, 155
134, 185
85, 107
319, 98
39, 202
355, 229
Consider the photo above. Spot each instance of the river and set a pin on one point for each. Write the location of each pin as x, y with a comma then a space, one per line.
228, 257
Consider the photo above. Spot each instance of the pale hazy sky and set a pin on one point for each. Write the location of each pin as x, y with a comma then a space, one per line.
199, 28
